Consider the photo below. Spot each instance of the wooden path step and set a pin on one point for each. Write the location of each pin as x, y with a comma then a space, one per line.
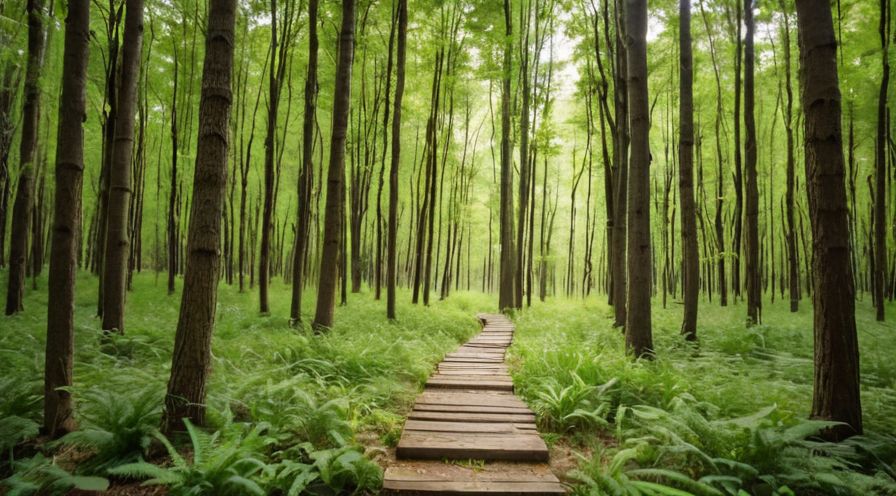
468, 411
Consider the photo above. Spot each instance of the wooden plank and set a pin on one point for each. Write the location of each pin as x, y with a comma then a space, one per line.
455, 445
461, 398
489, 385
473, 417
469, 488
481, 427
429, 407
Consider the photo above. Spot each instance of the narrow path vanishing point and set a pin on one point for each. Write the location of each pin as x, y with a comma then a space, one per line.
468, 412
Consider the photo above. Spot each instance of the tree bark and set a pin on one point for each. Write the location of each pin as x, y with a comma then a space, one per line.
333, 219
391, 255
690, 269
21, 210
506, 296
307, 172
836, 388
792, 260
66, 222
753, 274
118, 240
638, 325
880, 169
192, 342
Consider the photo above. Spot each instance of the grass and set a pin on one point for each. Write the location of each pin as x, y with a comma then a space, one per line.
312, 399
291, 412
732, 408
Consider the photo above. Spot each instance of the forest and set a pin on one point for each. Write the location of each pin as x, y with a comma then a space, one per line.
325, 247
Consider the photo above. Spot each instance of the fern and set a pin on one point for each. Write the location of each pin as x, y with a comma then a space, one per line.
216, 468
39, 475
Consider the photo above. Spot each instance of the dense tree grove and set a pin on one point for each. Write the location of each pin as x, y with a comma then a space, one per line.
701, 154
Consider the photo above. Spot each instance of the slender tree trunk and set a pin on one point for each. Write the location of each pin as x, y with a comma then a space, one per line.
117, 237
638, 326
391, 255
334, 216
880, 169
192, 343
690, 269
66, 222
836, 387
21, 210
306, 173
506, 296
792, 260
620, 159
753, 268
738, 160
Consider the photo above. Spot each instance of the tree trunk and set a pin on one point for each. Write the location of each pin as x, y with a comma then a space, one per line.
620, 188
836, 388
117, 238
754, 282
21, 210
506, 296
192, 342
690, 269
307, 172
880, 170
638, 326
66, 222
391, 255
334, 215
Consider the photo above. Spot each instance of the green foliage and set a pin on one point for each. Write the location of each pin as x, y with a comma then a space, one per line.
116, 427
42, 476
215, 467
688, 421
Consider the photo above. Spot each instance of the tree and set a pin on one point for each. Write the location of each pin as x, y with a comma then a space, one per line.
333, 216
506, 296
190, 364
836, 388
690, 269
66, 222
21, 209
790, 235
880, 169
306, 172
638, 325
117, 237
392, 235
754, 281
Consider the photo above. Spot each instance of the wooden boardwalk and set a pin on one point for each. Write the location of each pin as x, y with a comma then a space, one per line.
467, 412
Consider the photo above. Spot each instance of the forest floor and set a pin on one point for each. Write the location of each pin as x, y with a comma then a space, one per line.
292, 410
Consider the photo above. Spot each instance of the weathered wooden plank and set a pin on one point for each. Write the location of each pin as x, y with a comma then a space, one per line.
481, 427
489, 385
465, 488
430, 407
483, 398
433, 445
473, 417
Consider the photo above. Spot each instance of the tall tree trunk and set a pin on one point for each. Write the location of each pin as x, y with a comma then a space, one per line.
638, 325
620, 158
880, 169
334, 216
690, 269
185, 398
792, 260
506, 297
738, 159
754, 282
66, 222
172, 193
21, 210
836, 388
391, 255
306, 173
118, 238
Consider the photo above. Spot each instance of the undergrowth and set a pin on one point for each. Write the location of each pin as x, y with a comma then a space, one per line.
728, 416
289, 411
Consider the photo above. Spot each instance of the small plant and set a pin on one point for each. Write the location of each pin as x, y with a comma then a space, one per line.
216, 468
576, 405
117, 427
40, 475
